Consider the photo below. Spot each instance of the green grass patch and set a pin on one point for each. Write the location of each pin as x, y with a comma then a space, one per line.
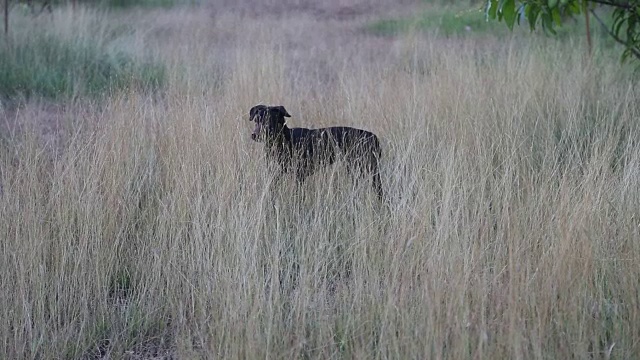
448, 21
470, 20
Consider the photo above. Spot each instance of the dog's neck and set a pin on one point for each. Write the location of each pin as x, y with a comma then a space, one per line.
280, 139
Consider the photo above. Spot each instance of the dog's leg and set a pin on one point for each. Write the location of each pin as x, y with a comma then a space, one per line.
300, 177
302, 172
377, 184
274, 185
373, 167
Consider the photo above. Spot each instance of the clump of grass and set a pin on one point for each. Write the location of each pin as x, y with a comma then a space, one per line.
40, 60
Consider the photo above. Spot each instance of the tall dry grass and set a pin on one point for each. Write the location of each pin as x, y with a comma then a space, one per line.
150, 226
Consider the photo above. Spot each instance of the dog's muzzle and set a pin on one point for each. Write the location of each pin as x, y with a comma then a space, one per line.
255, 136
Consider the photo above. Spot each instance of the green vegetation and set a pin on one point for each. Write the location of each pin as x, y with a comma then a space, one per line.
445, 20
624, 27
64, 63
49, 67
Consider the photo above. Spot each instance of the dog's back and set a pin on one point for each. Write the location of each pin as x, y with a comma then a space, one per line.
326, 143
352, 139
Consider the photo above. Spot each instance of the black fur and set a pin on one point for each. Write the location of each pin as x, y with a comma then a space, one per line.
303, 151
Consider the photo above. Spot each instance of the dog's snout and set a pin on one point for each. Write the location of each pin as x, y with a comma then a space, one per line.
256, 132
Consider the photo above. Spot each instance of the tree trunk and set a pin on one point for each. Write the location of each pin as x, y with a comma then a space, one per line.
586, 18
6, 17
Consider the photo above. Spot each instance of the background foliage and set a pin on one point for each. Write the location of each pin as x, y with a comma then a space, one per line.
624, 26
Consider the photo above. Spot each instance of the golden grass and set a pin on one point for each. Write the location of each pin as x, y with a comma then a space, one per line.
151, 227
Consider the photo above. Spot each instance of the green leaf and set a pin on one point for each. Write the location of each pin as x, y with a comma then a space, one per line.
532, 12
574, 7
555, 14
547, 23
625, 55
508, 10
618, 21
492, 9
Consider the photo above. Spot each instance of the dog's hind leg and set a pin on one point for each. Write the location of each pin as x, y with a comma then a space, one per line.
374, 170
377, 184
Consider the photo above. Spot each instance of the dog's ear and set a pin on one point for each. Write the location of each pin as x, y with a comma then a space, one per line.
282, 111
254, 111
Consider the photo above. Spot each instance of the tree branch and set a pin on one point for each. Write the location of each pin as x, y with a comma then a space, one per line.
633, 50
626, 6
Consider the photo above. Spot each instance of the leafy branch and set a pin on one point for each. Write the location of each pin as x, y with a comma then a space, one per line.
625, 28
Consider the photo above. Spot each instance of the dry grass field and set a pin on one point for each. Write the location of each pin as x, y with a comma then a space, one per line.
146, 224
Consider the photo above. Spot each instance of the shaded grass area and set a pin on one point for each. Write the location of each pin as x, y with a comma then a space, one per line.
144, 3
40, 7
40, 61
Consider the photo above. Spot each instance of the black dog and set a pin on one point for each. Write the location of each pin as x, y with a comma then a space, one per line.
305, 150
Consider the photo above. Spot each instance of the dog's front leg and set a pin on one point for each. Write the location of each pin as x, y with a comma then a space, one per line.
275, 184
301, 175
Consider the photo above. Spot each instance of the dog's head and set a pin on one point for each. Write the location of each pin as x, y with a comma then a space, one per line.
269, 121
